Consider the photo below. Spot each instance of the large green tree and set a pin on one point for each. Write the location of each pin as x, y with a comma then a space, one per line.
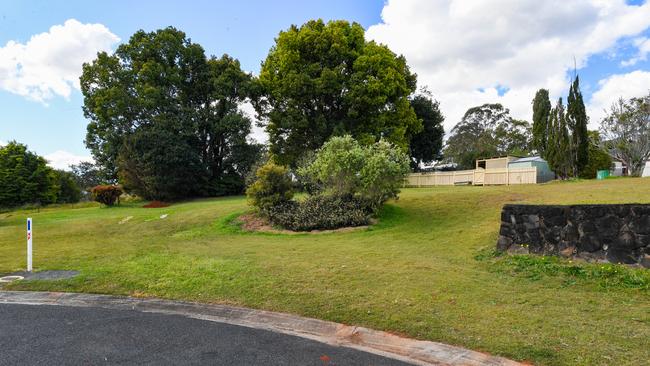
68, 189
25, 177
164, 118
626, 132
426, 145
486, 130
323, 79
541, 114
577, 120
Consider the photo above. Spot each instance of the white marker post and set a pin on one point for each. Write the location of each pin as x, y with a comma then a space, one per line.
29, 244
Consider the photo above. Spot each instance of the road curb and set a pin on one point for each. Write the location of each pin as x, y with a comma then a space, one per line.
364, 339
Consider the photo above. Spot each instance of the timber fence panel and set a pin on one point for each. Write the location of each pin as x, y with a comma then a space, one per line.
479, 176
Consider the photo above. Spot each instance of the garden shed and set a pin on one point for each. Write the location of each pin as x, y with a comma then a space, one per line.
544, 173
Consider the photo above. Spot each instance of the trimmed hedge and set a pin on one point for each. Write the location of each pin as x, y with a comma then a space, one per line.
321, 212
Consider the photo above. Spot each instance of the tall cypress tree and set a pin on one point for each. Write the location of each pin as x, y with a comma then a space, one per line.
563, 153
541, 115
551, 139
558, 153
577, 121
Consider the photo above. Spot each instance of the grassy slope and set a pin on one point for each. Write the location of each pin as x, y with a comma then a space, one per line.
413, 274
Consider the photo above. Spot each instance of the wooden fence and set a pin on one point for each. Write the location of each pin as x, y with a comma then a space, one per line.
474, 177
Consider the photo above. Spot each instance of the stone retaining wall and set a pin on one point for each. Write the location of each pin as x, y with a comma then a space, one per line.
614, 233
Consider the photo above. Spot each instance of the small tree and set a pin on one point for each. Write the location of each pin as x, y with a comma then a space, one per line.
372, 173
383, 173
273, 187
25, 177
337, 166
426, 145
626, 132
599, 158
106, 194
69, 191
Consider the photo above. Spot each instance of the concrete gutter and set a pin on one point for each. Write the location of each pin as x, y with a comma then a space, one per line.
364, 339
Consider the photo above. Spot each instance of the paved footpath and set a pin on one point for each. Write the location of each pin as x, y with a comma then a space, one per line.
40, 328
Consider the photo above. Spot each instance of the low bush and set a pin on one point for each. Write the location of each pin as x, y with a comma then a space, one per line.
273, 187
106, 194
321, 212
344, 167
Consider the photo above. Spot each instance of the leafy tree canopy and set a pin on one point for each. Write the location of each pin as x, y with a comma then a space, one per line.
626, 132
25, 177
323, 79
599, 158
165, 119
69, 191
343, 167
87, 175
484, 131
426, 145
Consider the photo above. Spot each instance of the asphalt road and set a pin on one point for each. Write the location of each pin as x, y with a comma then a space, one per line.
56, 335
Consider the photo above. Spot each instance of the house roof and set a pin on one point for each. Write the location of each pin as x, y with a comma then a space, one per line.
530, 158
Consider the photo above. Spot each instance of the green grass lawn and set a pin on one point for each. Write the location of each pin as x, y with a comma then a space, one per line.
421, 272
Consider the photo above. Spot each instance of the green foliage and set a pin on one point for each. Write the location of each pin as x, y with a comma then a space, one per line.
485, 131
323, 79
558, 152
320, 212
69, 191
106, 194
160, 85
539, 267
272, 188
154, 165
541, 114
345, 168
426, 145
626, 130
25, 177
577, 121
599, 158
87, 175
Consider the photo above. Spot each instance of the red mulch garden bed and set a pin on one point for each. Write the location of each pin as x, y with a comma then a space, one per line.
156, 204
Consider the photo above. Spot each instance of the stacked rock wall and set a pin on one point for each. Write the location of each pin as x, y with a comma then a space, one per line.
614, 233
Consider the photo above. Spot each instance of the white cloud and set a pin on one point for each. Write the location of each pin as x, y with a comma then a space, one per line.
49, 64
643, 46
462, 50
633, 84
61, 159
257, 133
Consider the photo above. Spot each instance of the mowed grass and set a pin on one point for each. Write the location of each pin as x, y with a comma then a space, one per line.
416, 273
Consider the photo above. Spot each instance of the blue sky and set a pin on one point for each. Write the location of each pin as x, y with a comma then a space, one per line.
431, 37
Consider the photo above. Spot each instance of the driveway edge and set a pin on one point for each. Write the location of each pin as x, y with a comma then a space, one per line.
364, 339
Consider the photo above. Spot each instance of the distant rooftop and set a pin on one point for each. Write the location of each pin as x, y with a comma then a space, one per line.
530, 158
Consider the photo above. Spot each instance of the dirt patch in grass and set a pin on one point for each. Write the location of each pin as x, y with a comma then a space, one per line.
256, 223
156, 204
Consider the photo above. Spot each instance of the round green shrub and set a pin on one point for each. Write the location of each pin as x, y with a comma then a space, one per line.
272, 187
320, 212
